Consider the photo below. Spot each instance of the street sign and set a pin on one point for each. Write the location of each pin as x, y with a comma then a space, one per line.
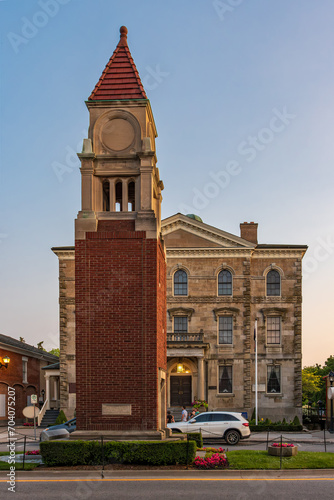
34, 399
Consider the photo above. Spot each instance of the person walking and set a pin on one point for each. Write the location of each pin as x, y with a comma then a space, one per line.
184, 414
170, 417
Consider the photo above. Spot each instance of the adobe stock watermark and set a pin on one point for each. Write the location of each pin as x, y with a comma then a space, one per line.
30, 27
225, 7
11, 439
322, 251
249, 150
71, 160
154, 77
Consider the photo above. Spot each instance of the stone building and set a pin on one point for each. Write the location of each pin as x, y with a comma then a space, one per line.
217, 285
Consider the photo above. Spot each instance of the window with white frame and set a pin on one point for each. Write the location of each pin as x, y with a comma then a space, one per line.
225, 282
225, 379
25, 370
225, 330
273, 283
273, 379
273, 330
180, 324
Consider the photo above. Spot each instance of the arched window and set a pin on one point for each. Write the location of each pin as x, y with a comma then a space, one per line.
131, 196
119, 196
273, 283
180, 283
106, 196
225, 282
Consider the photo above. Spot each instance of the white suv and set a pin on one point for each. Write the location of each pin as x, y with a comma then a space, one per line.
230, 426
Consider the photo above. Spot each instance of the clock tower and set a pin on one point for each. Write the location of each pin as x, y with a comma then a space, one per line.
120, 270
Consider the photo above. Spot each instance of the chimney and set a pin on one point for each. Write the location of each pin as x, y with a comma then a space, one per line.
248, 231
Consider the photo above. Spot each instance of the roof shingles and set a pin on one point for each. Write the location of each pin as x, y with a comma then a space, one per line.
120, 78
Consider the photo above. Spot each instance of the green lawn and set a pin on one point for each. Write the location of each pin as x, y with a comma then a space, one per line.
18, 466
248, 459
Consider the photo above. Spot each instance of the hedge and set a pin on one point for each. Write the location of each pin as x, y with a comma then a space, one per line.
197, 437
56, 453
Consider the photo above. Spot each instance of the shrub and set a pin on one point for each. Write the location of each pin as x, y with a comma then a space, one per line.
69, 453
61, 419
197, 437
296, 421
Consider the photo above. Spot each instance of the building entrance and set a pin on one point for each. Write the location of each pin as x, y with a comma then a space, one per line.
180, 390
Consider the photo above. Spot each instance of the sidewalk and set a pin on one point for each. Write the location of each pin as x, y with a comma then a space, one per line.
301, 437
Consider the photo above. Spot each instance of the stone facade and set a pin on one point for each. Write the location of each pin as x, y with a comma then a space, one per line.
203, 251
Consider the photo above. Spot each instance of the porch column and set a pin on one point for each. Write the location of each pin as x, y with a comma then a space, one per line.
200, 378
47, 387
125, 207
112, 195
55, 388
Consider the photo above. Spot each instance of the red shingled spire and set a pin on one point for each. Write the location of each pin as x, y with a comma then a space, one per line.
120, 78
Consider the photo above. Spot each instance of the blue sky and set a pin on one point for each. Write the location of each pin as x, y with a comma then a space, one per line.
241, 91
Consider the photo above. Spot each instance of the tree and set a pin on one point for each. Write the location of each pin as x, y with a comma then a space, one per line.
311, 382
55, 351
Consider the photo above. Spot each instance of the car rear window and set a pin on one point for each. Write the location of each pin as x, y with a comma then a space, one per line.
222, 417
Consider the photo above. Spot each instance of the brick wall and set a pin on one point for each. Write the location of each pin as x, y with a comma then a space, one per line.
12, 377
120, 326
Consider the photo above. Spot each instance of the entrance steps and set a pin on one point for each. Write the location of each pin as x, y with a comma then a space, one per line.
177, 410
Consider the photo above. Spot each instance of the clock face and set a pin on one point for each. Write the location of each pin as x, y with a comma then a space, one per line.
117, 134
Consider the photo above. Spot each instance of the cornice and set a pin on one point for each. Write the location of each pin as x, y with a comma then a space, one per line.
208, 233
64, 253
260, 253
173, 253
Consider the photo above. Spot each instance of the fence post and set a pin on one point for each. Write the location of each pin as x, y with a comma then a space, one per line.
281, 453
325, 439
102, 472
24, 451
267, 438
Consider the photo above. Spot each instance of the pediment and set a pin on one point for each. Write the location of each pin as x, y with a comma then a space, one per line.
180, 231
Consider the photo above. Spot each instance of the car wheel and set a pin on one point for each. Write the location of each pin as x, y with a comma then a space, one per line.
232, 437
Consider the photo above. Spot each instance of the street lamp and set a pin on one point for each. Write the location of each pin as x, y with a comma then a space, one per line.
331, 380
6, 361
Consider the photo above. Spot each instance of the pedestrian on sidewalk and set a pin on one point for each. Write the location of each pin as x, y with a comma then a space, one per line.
170, 417
184, 414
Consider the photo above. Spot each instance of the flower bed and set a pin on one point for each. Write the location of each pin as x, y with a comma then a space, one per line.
32, 452
215, 461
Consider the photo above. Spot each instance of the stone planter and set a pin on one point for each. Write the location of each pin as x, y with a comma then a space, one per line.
286, 451
202, 409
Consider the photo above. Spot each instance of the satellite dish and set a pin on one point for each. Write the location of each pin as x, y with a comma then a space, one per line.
28, 411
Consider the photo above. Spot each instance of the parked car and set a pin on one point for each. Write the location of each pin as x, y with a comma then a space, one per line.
231, 426
61, 431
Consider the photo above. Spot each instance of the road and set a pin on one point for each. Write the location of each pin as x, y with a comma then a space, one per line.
171, 485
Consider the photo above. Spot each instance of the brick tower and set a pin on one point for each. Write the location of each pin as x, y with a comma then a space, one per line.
120, 271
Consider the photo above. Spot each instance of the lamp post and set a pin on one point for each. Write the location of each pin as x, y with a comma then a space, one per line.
331, 380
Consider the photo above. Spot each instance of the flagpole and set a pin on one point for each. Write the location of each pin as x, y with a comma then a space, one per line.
256, 402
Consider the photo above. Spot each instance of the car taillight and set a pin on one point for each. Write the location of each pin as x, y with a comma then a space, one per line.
246, 424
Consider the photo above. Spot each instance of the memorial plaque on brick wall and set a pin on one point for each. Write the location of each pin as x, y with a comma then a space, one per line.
116, 409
